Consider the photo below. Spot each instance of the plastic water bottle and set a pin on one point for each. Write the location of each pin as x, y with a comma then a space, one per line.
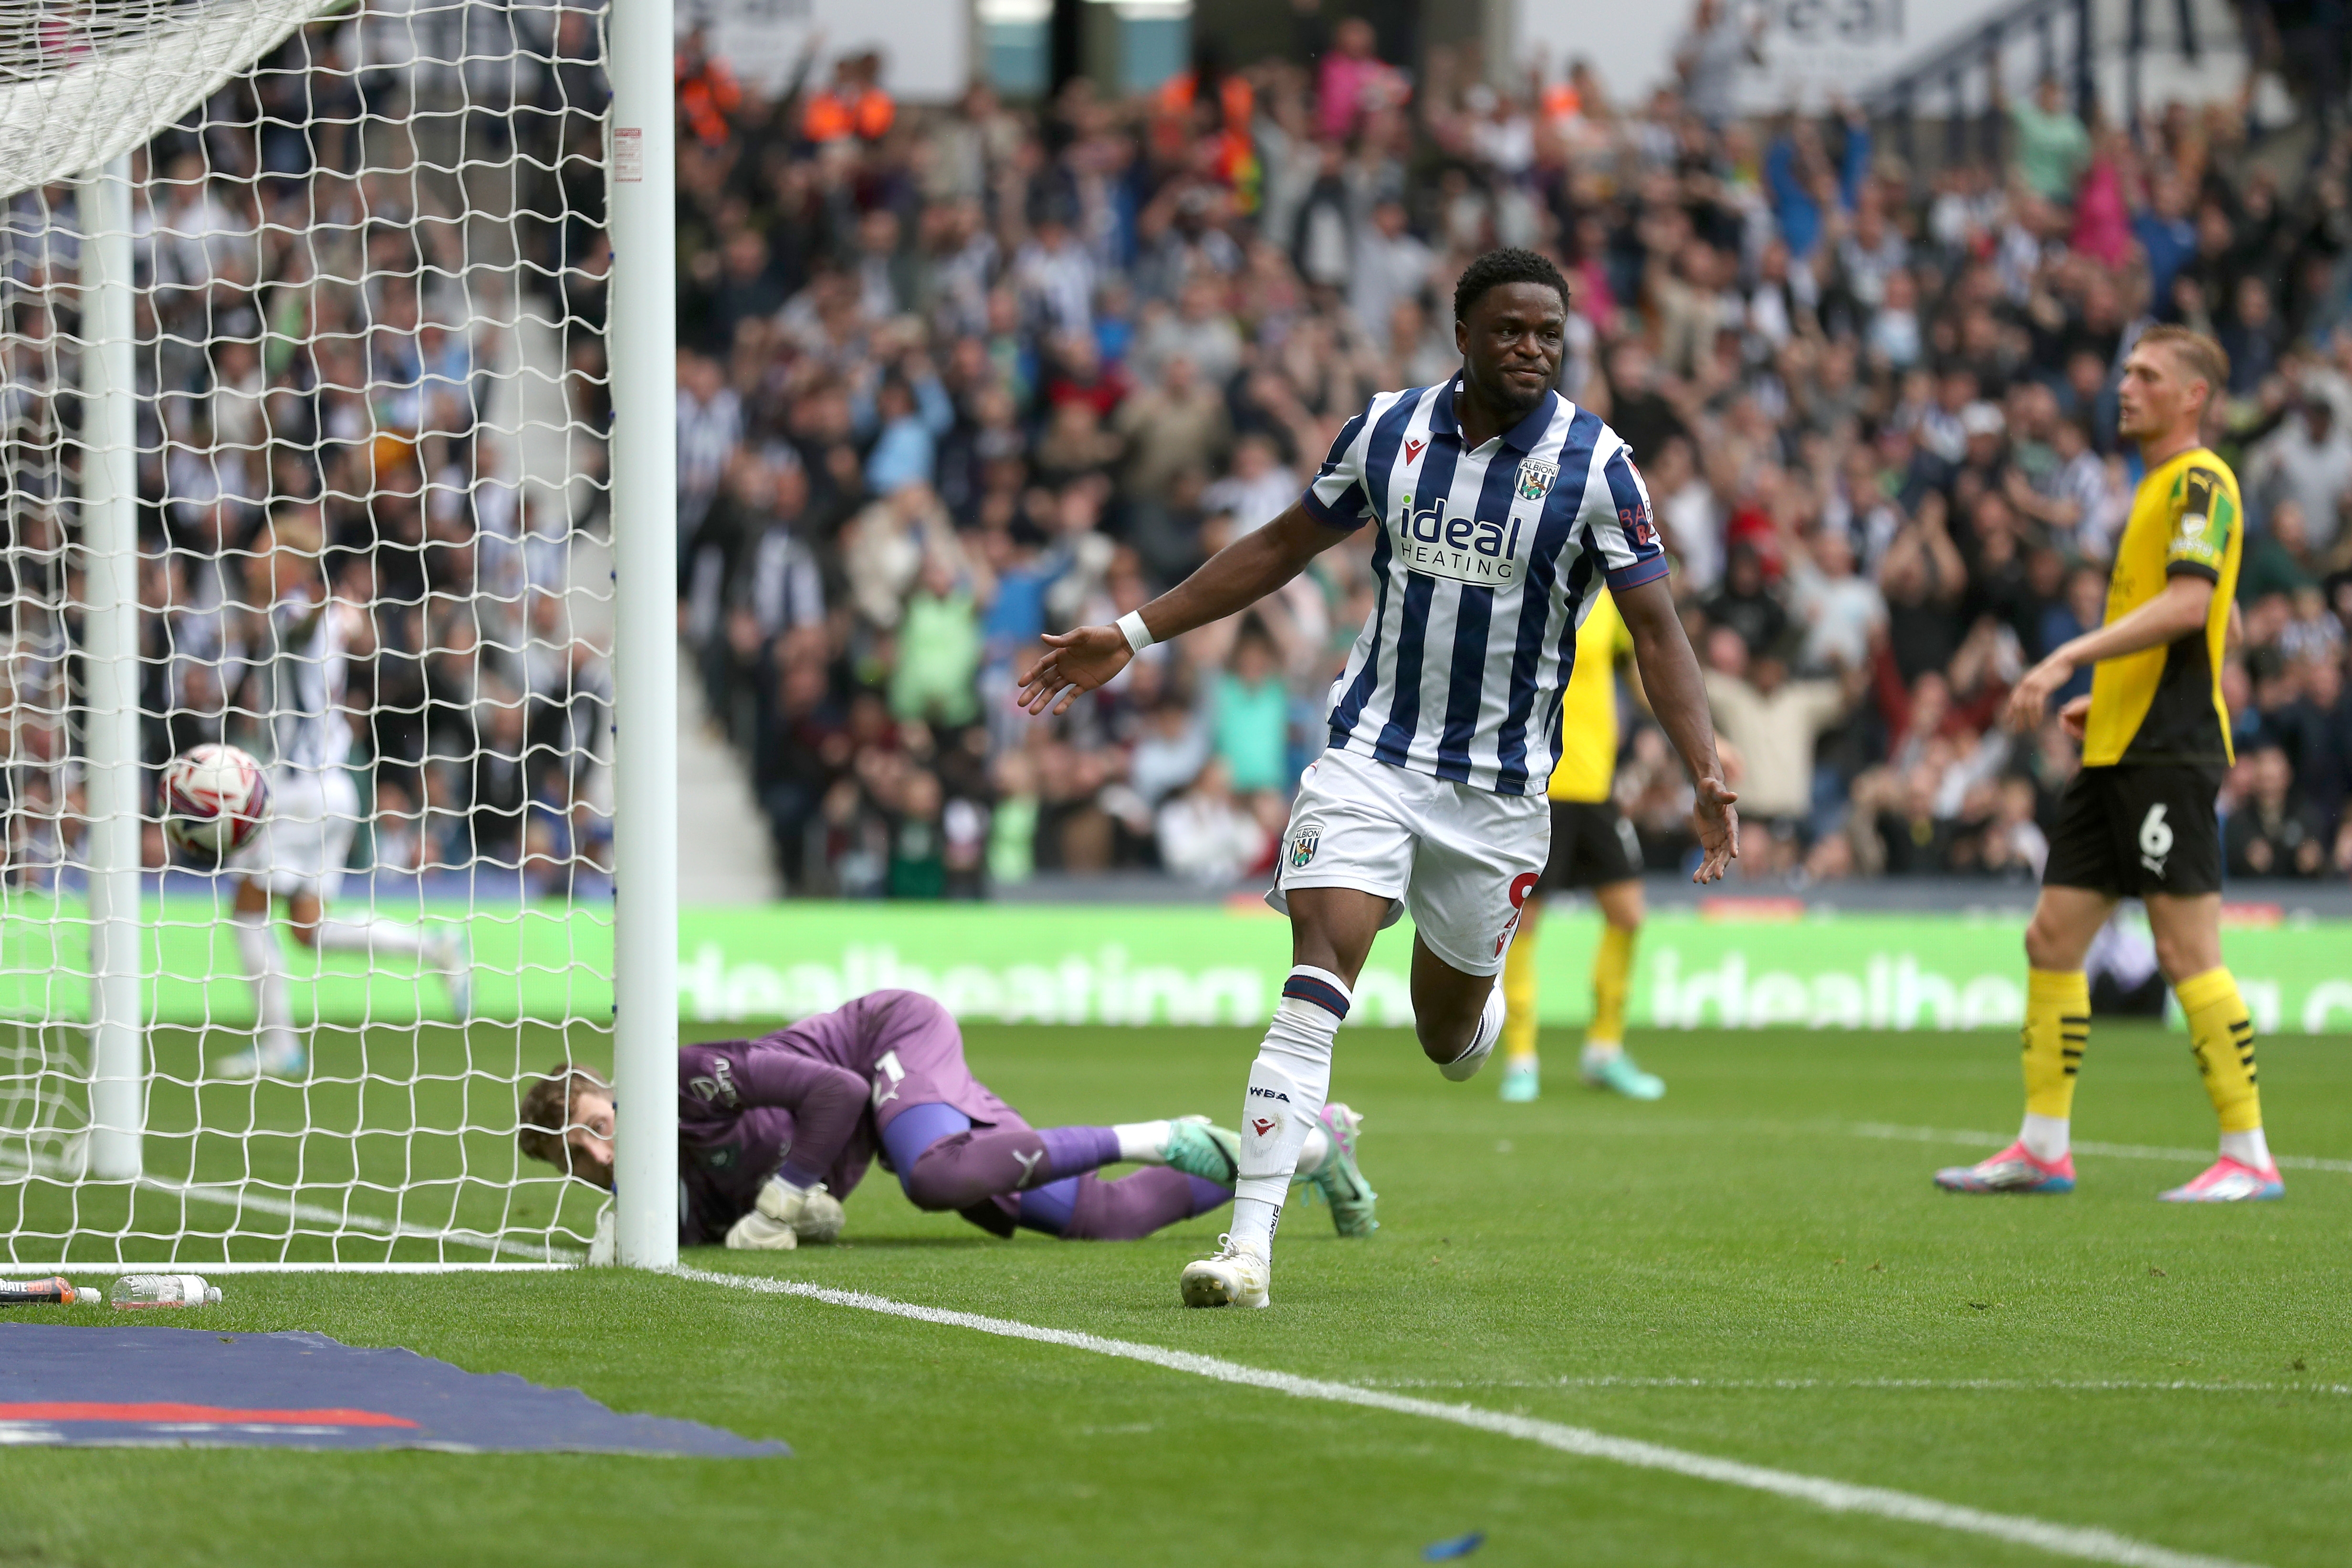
136, 1291
56, 1291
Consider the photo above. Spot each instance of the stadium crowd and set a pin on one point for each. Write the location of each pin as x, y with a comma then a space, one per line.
952, 379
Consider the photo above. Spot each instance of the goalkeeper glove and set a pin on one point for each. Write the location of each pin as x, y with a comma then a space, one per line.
755, 1232
821, 1218
813, 1214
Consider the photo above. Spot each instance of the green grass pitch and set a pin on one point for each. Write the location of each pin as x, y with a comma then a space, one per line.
1735, 1271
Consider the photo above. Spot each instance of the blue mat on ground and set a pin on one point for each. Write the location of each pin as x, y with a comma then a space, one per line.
154, 1387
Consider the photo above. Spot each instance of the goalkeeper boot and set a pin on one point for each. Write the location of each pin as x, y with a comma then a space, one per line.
2013, 1170
2228, 1181
1340, 1180
1616, 1072
285, 1060
1199, 1149
1235, 1277
1464, 1068
1522, 1080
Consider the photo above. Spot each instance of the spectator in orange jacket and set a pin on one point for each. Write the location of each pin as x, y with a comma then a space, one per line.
708, 92
855, 105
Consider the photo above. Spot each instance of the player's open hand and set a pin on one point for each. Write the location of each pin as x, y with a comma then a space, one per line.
1716, 817
2076, 717
1075, 662
2030, 698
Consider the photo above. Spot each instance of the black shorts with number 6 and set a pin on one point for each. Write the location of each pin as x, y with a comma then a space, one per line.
1593, 846
2139, 828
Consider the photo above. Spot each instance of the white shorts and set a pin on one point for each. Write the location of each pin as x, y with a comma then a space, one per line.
306, 842
1462, 859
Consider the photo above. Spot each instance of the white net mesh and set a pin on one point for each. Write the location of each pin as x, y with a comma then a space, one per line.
370, 409
81, 83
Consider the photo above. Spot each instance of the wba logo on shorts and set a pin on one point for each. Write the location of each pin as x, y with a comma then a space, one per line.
1302, 846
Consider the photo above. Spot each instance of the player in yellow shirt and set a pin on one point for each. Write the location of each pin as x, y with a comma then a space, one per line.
1593, 846
2138, 819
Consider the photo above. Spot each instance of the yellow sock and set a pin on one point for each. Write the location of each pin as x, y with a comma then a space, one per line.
1520, 997
2223, 1037
1612, 982
2057, 1026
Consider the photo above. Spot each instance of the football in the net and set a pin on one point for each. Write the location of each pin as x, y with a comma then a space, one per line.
215, 799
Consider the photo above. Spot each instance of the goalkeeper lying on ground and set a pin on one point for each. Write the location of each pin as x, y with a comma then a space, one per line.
774, 1133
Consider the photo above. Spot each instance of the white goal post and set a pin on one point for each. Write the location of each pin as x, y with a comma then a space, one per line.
336, 425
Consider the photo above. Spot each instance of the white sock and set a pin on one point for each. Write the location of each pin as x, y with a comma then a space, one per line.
371, 934
1287, 1085
2249, 1149
1312, 1154
2045, 1137
1601, 1053
265, 971
1482, 1040
1143, 1143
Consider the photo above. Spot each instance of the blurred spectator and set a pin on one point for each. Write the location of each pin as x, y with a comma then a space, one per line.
2309, 463
1721, 39
938, 648
2273, 833
1208, 836
1840, 612
1258, 490
1251, 721
2052, 146
1774, 721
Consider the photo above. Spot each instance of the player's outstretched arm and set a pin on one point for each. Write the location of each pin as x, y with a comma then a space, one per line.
1678, 697
1228, 582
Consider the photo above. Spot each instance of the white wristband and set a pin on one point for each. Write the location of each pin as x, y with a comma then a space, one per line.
1139, 635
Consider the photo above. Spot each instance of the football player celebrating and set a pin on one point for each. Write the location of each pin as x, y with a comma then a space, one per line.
1499, 509
2139, 820
772, 1133
299, 855
1593, 846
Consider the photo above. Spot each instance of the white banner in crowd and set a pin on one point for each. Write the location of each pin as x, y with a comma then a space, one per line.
1816, 52
926, 45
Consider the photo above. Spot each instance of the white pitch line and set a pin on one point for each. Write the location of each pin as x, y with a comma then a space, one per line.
292, 1208
2113, 1150
1907, 1384
2086, 1544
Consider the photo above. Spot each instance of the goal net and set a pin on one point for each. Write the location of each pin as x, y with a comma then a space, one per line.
303, 410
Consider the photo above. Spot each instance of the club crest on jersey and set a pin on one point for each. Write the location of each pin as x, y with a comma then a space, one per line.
1535, 478
1303, 845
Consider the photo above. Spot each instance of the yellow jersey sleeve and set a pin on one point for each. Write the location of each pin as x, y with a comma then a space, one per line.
1588, 718
2202, 523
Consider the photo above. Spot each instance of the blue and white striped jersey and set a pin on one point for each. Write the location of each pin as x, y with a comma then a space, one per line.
1484, 567
308, 672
